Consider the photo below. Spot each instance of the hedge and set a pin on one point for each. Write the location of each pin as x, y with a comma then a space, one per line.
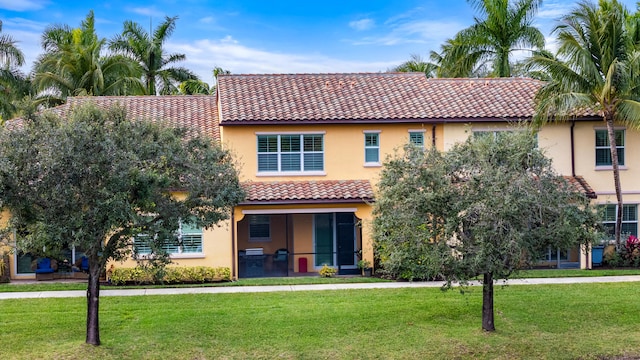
169, 275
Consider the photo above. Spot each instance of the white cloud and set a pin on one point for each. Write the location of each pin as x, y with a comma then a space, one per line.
554, 9
21, 23
207, 20
22, 5
146, 11
421, 32
229, 54
363, 24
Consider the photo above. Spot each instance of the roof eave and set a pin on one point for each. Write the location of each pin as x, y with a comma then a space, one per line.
307, 201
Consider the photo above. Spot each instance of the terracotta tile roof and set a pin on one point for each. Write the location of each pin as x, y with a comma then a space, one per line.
580, 184
196, 113
288, 192
371, 97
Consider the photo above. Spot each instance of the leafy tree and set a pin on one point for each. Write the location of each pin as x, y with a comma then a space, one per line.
417, 64
148, 52
489, 207
97, 179
73, 65
597, 69
505, 27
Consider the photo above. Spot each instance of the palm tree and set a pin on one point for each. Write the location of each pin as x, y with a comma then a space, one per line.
417, 64
599, 71
13, 82
10, 55
505, 28
73, 65
199, 87
15, 87
148, 52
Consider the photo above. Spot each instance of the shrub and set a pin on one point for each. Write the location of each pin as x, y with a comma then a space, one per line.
171, 275
628, 255
327, 271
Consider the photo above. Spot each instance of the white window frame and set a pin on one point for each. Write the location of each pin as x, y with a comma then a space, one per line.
279, 154
260, 220
372, 147
417, 132
607, 147
613, 220
179, 245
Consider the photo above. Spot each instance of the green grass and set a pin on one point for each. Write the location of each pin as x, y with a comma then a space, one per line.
582, 321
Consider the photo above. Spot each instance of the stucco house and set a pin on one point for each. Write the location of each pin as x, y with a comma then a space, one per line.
311, 147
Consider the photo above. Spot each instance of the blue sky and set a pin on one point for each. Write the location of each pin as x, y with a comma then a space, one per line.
302, 36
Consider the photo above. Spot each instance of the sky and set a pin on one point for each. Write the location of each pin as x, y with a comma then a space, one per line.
251, 37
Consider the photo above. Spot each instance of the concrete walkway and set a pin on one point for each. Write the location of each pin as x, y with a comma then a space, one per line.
276, 288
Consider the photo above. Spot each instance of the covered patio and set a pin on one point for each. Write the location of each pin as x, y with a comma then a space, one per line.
293, 228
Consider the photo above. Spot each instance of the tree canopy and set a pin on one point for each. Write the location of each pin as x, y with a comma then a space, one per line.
148, 52
97, 179
489, 206
73, 64
504, 26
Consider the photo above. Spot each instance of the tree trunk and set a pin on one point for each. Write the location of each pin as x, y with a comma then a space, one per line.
487, 302
93, 298
616, 174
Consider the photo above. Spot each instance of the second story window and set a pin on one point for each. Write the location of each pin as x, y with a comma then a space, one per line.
416, 138
290, 153
603, 149
372, 148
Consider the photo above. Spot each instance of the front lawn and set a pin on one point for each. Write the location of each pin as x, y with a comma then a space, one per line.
582, 321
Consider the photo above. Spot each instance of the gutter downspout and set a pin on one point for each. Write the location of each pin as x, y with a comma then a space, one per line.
433, 136
573, 156
234, 253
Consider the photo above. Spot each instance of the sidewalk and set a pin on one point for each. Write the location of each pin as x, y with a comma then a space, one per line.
318, 287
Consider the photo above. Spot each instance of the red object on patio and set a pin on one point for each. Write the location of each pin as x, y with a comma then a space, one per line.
302, 265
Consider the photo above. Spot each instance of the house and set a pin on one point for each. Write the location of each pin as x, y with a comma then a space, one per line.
311, 148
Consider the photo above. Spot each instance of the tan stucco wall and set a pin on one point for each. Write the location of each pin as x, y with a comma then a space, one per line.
343, 147
601, 180
216, 250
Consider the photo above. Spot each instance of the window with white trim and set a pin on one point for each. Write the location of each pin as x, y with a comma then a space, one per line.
291, 153
416, 138
629, 219
186, 240
603, 148
372, 147
259, 228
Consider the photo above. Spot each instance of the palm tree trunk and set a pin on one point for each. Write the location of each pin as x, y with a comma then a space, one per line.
93, 297
504, 69
616, 174
487, 302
